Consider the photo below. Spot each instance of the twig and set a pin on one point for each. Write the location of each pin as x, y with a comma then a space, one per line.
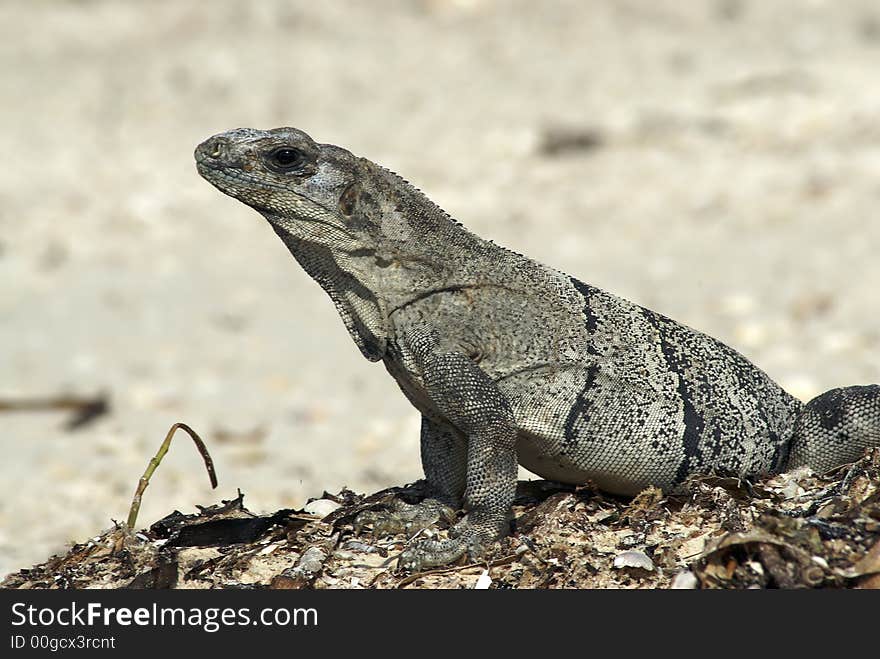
456, 568
85, 409
163, 449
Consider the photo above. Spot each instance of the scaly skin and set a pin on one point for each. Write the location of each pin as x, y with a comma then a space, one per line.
510, 361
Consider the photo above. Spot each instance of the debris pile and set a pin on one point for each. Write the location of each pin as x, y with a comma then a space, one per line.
795, 530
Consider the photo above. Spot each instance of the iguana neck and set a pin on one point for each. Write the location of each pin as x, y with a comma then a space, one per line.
420, 249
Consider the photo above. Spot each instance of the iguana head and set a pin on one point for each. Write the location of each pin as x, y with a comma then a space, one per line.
365, 235
305, 189
325, 195
308, 192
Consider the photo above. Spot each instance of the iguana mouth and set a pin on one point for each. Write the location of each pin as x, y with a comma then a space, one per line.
229, 179
213, 172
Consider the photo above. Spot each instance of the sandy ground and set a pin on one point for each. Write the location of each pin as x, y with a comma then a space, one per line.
731, 183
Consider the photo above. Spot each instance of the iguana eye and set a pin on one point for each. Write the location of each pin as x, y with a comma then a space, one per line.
285, 158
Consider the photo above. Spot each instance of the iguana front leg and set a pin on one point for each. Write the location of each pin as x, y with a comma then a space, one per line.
444, 459
470, 402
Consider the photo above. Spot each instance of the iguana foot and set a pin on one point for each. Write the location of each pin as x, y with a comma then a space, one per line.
429, 552
405, 518
422, 553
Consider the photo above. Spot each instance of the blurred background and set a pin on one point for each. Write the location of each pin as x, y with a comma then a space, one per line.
717, 161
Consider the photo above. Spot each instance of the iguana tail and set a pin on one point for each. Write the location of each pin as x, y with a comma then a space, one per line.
836, 427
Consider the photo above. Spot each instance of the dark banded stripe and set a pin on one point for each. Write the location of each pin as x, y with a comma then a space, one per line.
693, 421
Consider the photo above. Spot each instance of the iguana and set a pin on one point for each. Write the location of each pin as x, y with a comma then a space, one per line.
510, 361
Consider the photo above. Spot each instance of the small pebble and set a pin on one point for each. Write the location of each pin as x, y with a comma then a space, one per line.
634, 558
791, 490
268, 549
321, 507
358, 546
483, 581
311, 560
686, 580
